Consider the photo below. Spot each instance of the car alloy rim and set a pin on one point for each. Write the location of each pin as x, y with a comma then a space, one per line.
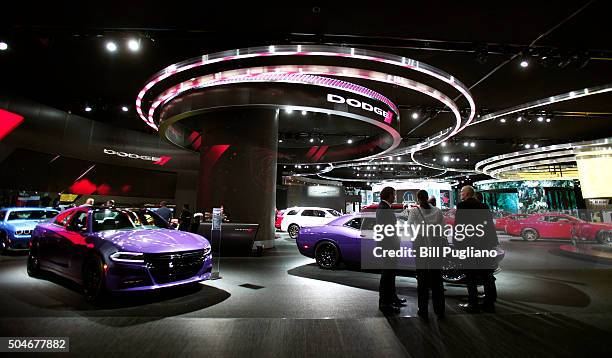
327, 255
293, 231
530, 235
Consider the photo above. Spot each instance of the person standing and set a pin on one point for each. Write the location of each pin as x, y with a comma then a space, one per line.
185, 219
470, 211
429, 270
89, 202
388, 301
164, 212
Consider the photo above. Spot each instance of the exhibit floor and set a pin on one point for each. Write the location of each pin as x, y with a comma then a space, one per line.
283, 305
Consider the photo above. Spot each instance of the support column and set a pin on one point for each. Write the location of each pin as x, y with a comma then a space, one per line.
238, 167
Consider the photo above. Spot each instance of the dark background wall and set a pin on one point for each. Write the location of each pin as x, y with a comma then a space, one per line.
74, 142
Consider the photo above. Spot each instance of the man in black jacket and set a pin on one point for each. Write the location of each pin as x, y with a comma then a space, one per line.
388, 301
471, 211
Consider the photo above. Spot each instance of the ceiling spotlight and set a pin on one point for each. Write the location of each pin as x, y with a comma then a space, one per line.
303, 113
3, 46
111, 46
524, 63
288, 110
350, 141
311, 140
280, 140
540, 119
445, 158
88, 109
415, 115
519, 119
472, 144
465, 144
547, 120
467, 160
527, 146
503, 120
357, 174
443, 144
398, 158
321, 140
452, 159
536, 146
124, 108
318, 167
133, 45
434, 159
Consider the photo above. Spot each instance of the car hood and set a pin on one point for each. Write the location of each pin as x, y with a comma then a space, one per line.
24, 224
154, 240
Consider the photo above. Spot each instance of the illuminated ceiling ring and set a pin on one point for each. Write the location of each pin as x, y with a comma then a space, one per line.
322, 173
559, 158
399, 62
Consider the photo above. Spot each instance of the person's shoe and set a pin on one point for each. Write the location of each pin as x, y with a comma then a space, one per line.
469, 308
389, 309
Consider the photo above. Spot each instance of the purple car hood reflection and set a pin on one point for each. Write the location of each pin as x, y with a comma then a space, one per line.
154, 240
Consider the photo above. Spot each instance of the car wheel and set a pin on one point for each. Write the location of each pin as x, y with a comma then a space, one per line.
93, 279
604, 237
530, 235
34, 261
327, 255
293, 231
452, 273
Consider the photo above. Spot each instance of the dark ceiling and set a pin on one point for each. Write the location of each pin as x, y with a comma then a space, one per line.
56, 55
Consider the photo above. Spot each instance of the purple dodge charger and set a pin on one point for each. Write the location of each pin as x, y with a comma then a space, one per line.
118, 250
349, 237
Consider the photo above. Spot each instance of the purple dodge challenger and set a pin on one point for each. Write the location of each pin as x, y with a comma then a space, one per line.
346, 238
118, 250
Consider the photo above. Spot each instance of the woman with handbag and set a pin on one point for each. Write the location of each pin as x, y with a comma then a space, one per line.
429, 273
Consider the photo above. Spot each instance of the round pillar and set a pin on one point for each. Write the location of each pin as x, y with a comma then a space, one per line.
238, 167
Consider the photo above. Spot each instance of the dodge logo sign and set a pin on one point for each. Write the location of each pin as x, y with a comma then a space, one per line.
156, 160
334, 98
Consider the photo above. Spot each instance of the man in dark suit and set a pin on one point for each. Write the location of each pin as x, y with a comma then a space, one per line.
470, 211
388, 301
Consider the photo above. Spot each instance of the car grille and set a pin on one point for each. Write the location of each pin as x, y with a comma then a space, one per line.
176, 266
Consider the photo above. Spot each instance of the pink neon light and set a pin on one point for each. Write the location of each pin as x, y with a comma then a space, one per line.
8, 122
205, 61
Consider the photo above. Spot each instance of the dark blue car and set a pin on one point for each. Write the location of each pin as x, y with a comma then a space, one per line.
17, 224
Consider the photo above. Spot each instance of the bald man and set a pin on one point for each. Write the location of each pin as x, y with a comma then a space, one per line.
470, 211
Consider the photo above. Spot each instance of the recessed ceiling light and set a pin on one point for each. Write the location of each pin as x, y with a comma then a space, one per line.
280, 140
311, 140
540, 119
111, 46
536, 146
88, 109
303, 113
503, 120
3, 46
133, 45
527, 146
415, 115
465, 144
350, 141
524, 63
519, 119
124, 108
445, 158
472, 144
288, 110
547, 120
434, 159
443, 144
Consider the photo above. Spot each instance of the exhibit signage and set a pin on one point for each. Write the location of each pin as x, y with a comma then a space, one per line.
157, 160
334, 98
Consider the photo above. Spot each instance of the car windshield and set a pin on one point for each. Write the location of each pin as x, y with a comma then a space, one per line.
115, 219
27, 215
334, 212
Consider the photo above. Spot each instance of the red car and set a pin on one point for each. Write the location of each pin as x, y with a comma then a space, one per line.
500, 223
279, 218
559, 226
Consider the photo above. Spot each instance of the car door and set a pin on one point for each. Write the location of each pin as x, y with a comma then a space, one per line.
321, 218
561, 227
49, 242
307, 218
349, 239
71, 238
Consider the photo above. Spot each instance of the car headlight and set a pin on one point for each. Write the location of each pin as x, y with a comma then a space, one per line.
125, 256
23, 232
207, 251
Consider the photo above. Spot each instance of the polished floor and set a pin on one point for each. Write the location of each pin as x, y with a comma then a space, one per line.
282, 305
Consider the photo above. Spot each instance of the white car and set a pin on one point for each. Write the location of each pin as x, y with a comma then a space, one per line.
297, 217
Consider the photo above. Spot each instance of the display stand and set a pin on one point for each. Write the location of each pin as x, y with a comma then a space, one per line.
215, 231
